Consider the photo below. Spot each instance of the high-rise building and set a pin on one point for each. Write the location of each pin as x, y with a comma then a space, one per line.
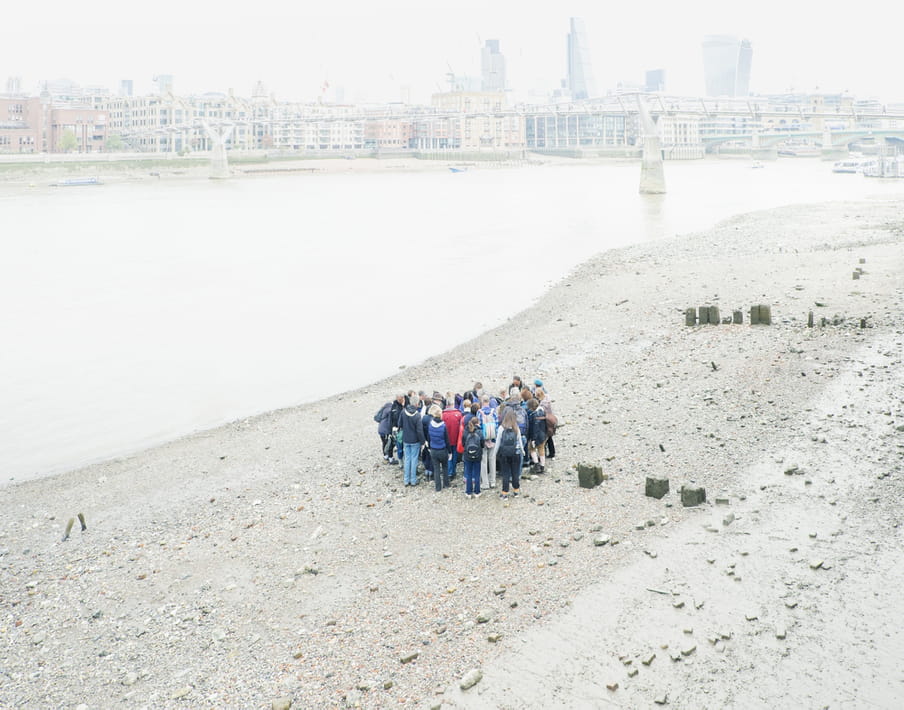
126, 87
726, 65
655, 80
580, 70
492, 67
164, 84
14, 85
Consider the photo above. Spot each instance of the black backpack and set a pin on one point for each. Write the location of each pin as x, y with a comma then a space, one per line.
508, 443
472, 446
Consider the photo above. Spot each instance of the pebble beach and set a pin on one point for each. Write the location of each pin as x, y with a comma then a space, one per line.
279, 561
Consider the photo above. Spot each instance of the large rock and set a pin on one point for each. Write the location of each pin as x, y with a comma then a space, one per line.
471, 678
589, 476
691, 496
657, 486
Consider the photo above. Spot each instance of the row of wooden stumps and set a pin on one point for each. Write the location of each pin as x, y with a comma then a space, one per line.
709, 315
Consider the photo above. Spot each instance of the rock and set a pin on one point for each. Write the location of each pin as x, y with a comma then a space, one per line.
751, 616
601, 540
494, 638
690, 316
282, 703
181, 692
648, 660
728, 519
387, 684
815, 564
678, 604
656, 486
471, 678
692, 496
589, 476
688, 650
781, 633
661, 700
409, 657
612, 686
130, 679
484, 616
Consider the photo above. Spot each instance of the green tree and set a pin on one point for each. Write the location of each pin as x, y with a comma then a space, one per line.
68, 141
115, 143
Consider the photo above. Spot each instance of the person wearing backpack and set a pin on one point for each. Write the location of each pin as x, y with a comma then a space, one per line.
472, 454
384, 429
489, 425
438, 444
510, 454
412, 440
537, 436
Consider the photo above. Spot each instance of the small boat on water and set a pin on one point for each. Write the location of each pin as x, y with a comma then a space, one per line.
889, 166
77, 182
852, 165
458, 170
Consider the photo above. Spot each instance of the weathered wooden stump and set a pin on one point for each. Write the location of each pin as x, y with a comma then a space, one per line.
589, 476
810, 320
737, 317
765, 314
856, 275
657, 486
714, 315
703, 315
690, 316
754, 315
692, 496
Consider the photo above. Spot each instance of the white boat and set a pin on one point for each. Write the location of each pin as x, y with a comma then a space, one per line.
852, 165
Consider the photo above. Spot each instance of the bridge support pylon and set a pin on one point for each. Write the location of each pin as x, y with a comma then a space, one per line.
652, 175
219, 165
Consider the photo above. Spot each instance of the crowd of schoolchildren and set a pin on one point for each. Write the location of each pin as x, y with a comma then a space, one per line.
493, 435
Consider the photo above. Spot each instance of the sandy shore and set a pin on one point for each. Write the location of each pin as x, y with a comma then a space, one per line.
279, 557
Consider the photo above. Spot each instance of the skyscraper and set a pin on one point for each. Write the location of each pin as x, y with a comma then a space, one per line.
492, 67
655, 80
580, 71
726, 65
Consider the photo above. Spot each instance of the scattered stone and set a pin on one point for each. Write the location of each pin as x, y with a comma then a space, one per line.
688, 630
494, 638
648, 660
675, 656
601, 540
484, 616
723, 501
728, 519
794, 470
612, 686
678, 605
471, 678
781, 633
387, 684
633, 672
791, 603
181, 693
816, 564
751, 616
499, 591
688, 650
656, 487
661, 700
589, 476
282, 703
130, 679
692, 496
409, 657
698, 605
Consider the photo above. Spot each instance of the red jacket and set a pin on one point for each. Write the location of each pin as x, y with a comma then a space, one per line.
452, 420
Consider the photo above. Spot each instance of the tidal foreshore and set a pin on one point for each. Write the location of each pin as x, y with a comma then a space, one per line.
279, 561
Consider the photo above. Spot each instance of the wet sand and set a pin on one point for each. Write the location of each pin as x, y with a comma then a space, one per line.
281, 557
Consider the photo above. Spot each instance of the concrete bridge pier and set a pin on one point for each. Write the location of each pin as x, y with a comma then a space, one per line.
219, 165
830, 151
759, 151
652, 175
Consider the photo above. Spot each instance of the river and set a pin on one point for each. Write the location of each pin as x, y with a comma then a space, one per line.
136, 312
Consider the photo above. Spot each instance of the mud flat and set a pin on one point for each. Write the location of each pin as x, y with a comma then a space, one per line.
278, 558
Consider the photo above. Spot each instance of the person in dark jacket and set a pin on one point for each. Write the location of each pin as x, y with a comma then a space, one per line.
412, 440
384, 429
537, 438
394, 412
438, 443
473, 445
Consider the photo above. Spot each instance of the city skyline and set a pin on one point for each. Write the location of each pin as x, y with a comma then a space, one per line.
404, 51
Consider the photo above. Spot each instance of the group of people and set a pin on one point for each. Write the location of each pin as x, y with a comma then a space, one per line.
493, 435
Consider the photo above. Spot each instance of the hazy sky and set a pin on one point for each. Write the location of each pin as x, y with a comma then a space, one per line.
373, 50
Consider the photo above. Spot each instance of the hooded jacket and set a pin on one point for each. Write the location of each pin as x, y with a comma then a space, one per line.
410, 423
